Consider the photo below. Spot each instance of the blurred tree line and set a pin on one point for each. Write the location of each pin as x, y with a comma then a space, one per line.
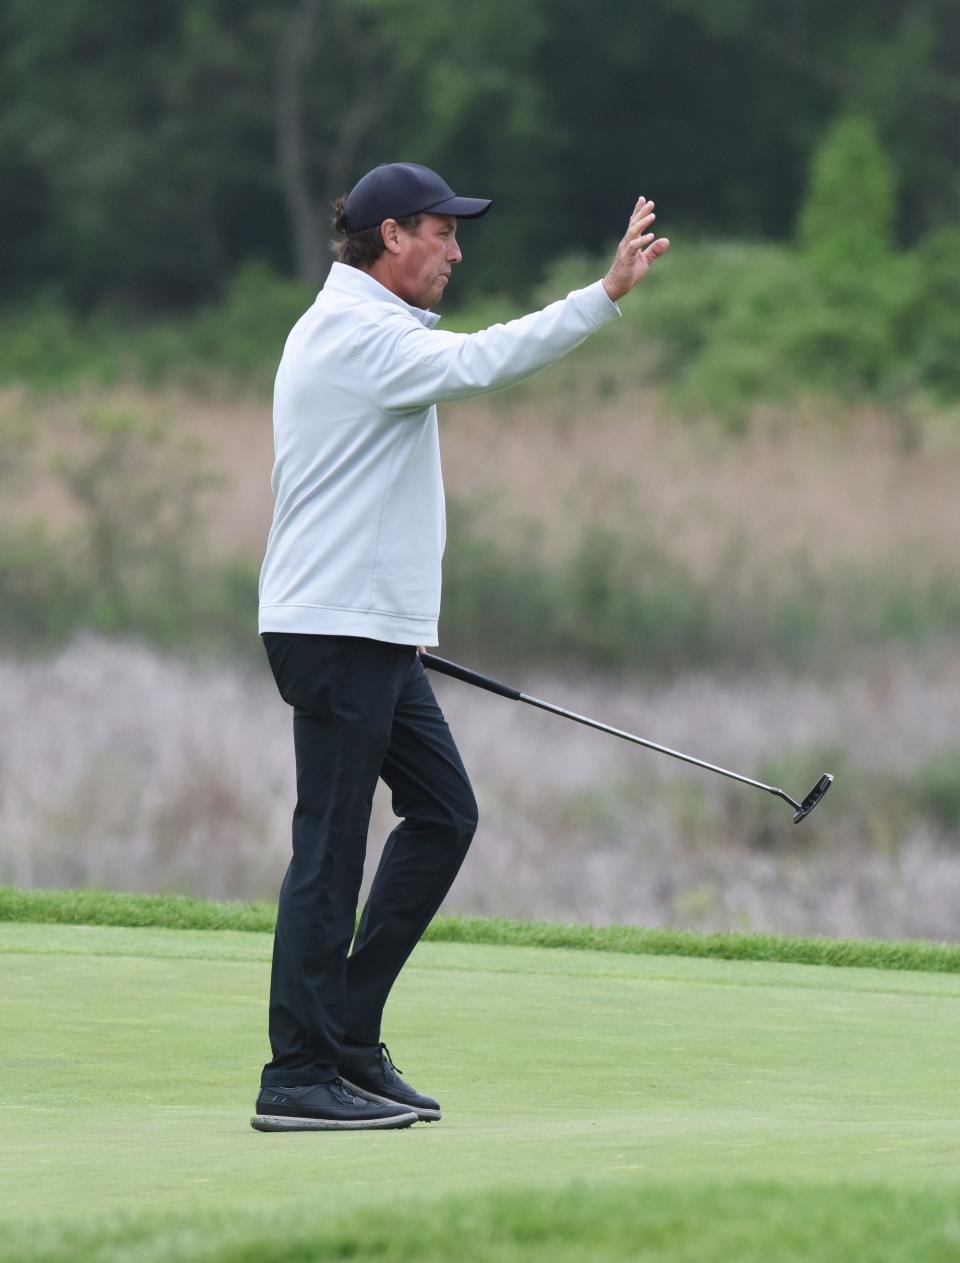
148, 151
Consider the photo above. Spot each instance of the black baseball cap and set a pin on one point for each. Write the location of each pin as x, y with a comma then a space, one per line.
397, 189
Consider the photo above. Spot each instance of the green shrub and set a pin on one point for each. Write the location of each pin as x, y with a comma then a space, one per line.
846, 225
43, 593
239, 339
741, 324
726, 322
930, 330
48, 346
242, 337
737, 323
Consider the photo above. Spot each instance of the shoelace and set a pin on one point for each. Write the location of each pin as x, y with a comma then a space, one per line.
339, 1089
389, 1066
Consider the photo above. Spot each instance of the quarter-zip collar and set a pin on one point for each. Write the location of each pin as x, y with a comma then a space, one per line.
361, 285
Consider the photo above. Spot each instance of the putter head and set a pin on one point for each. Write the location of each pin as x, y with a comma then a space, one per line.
811, 800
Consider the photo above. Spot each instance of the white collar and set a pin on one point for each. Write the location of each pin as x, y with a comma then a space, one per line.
350, 280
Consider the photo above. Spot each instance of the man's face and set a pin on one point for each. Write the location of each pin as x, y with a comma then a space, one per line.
425, 260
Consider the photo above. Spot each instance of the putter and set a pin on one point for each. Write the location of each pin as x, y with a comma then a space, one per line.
801, 809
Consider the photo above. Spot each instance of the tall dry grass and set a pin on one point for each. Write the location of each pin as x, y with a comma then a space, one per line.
823, 488
123, 769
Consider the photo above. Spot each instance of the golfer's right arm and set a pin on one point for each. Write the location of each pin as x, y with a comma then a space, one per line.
414, 367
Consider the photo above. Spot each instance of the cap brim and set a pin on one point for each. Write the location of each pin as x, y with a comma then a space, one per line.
462, 207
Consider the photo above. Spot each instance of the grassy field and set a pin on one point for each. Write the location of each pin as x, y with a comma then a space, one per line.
597, 1105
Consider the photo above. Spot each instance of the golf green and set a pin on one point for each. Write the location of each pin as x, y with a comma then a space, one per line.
793, 1099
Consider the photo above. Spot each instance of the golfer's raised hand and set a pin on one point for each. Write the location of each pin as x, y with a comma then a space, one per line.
635, 253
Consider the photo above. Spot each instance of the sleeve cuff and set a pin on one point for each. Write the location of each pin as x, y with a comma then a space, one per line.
597, 303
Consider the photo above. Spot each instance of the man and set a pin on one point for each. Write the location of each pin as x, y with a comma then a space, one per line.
350, 588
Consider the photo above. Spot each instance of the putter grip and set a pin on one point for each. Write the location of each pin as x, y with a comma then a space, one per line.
469, 677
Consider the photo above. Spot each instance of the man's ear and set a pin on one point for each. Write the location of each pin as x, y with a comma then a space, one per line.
390, 231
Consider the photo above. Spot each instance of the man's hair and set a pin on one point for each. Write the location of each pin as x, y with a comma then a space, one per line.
360, 249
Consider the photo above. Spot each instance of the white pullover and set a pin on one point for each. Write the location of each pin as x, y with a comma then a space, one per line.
359, 525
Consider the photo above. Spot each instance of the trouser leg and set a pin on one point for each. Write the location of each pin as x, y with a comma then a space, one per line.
344, 691
423, 854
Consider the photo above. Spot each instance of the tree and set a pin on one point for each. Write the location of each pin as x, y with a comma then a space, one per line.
360, 82
846, 226
893, 61
148, 150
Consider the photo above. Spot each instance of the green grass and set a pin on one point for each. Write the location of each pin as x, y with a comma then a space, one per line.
100, 907
586, 1223
597, 1105
110, 907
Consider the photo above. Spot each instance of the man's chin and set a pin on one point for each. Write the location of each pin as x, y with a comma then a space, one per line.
433, 297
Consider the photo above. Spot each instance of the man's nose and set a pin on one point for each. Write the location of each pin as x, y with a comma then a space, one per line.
453, 254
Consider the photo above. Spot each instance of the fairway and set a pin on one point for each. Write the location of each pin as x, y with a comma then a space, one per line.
596, 1105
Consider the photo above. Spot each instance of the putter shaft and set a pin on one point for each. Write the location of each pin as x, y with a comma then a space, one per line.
653, 745
469, 676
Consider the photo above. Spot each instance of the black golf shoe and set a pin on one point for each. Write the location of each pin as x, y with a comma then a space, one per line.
325, 1107
371, 1072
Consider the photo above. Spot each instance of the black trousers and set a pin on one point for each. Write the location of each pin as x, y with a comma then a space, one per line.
362, 709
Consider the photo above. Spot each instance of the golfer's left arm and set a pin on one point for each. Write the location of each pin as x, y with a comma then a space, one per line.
417, 367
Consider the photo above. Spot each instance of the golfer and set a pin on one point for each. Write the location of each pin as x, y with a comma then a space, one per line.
350, 588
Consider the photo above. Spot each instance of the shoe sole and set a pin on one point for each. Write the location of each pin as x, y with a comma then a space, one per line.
283, 1122
424, 1115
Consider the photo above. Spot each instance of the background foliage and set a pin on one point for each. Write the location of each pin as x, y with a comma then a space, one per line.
148, 151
